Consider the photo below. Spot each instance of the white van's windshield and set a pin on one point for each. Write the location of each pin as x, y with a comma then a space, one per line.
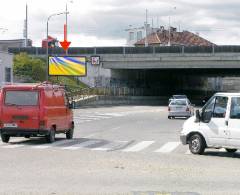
21, 98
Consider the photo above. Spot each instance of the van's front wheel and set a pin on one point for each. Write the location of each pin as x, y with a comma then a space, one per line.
197, 144
5, 138
51, 136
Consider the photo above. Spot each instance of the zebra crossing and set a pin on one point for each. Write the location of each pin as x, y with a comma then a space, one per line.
92, 144
172, 147
80, 118
88, 117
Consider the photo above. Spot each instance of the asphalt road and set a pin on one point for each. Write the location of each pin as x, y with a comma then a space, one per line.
117, 150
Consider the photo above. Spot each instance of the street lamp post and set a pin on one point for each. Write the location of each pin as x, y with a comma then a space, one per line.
49, 17
66, 12
169, 27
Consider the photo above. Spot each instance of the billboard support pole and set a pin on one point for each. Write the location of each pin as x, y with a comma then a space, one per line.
49, 17
47, 53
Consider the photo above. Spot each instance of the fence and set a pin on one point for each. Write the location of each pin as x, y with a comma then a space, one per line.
109, 91
125, 91
128, 50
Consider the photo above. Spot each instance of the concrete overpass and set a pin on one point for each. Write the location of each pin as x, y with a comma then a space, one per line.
170, 69
174, 57
172, 61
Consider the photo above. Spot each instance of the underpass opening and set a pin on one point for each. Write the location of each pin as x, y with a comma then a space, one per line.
166, 82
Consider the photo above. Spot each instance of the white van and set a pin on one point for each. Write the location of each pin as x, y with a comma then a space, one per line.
216, 125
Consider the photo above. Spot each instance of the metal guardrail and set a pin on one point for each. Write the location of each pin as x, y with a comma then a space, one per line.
85, 93
128, 50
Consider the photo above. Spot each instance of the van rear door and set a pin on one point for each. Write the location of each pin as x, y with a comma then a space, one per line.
21, 109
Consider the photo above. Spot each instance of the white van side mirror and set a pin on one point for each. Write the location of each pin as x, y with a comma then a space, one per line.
206, 116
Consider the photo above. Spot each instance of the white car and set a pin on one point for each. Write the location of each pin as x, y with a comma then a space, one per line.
180, 108
216, 125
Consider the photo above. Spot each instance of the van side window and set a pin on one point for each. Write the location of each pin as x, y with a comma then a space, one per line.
235, 108
210, 106
220, 107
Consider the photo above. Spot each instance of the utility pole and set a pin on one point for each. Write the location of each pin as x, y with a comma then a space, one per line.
169, 26
66, 25
146, 29
169, 31
66, 20
48, 19
26, 27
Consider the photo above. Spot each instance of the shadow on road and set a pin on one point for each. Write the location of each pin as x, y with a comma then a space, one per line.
222, 154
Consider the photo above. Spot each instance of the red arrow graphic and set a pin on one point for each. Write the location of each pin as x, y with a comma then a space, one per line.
65, 44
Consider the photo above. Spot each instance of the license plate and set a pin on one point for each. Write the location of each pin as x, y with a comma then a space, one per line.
179, 108
10, 125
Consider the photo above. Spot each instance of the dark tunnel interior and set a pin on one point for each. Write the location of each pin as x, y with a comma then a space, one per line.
166, 82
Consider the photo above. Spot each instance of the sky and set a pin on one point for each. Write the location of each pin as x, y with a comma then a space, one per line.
104, 22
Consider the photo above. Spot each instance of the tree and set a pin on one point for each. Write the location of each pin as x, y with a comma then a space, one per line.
32, 69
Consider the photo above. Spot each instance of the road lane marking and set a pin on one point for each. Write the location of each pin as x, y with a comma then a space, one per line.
91, 135
113, 114
82, 121
222, 150
168, 147
188, 152
110, 146
116, 128
56, 143
92, 117
13, 146
16, 139
98, 116
138, 147
81, 145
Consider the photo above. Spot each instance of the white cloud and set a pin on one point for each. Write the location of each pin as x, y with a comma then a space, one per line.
102, 22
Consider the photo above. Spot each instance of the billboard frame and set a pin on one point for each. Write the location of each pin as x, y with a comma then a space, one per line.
68, 75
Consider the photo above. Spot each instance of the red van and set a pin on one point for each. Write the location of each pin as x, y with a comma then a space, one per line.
35, 110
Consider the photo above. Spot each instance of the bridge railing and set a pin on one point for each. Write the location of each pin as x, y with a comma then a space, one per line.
128, 50
126, 91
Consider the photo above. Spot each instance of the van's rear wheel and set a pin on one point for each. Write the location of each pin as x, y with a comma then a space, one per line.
5, 138
69, 133
51, 136
197, 144
230, 150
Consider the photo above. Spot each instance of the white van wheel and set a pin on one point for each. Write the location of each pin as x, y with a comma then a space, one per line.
196, 144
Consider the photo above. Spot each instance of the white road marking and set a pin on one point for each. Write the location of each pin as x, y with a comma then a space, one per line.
81, 145
84, 121
92, 117
111, 114
88, 119
116, 128
222, 150
16, 139
110, 146
188, 152
138, 147
91, 135
56, 143
13, 146
168, 147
